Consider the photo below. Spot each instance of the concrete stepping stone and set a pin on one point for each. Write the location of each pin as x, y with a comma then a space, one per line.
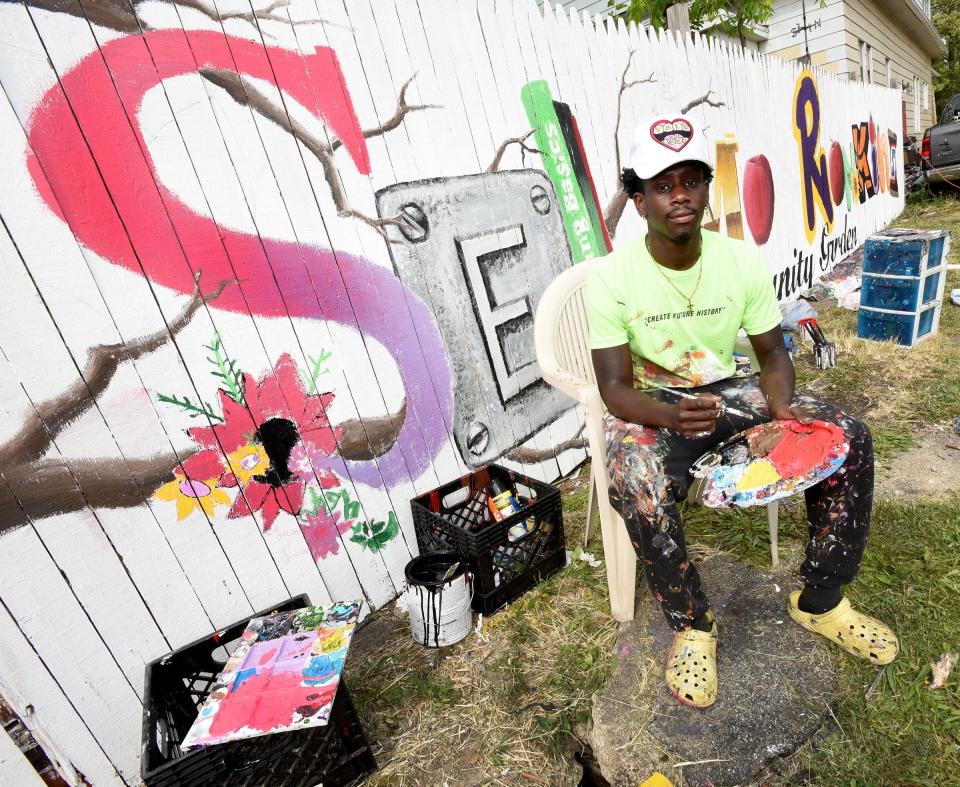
776, 686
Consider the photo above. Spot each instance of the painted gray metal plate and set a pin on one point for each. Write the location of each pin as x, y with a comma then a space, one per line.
480, 250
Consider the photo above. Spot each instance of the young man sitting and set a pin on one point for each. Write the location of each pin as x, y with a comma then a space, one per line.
664, 310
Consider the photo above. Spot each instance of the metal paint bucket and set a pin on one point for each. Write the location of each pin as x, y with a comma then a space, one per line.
439, 608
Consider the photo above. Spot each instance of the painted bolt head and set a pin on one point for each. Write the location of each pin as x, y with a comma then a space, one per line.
478, 436
540, 200
413, 223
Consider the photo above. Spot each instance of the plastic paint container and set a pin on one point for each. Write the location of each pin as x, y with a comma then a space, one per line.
440, 612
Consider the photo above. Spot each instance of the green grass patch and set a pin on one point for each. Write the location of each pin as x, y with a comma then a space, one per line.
905, 733
890, 440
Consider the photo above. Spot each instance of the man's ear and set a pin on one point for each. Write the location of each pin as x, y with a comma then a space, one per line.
638, 201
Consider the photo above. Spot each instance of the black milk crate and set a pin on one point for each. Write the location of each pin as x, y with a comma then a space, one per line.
176, 686
455, 518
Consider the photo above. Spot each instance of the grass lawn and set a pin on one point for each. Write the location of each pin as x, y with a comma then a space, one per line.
510, 707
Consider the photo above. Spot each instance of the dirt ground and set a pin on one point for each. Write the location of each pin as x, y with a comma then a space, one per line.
931, 469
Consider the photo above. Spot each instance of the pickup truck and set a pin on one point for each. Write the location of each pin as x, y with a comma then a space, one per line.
940, 148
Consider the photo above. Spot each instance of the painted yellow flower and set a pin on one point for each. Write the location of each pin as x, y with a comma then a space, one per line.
247, 461
191, 495
855, 183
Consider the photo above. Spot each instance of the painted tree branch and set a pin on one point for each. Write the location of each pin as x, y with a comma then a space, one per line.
36, 490
371, 437
49, 418
403, 109
247, 93
704, 99
524, 147
266, 14
531, 455
121, 15
619, 199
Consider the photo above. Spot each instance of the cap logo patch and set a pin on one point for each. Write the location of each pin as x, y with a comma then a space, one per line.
672, 134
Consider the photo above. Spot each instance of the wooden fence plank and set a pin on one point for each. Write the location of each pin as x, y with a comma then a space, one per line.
37, 698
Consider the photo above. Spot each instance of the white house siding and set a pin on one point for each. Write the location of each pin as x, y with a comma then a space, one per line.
826, 42
835, 46
871, 22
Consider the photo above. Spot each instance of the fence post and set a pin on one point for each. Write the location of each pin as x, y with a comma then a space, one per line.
678, 17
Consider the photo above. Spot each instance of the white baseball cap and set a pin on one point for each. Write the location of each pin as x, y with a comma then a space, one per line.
663, 141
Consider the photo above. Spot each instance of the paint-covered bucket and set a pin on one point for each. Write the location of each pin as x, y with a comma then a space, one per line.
439, 593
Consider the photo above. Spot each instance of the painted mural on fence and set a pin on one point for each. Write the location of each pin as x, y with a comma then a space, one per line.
268, 439
270, 271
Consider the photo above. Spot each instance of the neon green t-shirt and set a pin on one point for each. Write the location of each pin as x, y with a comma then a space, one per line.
630, 301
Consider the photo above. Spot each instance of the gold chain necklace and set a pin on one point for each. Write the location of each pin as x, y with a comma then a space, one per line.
687, 298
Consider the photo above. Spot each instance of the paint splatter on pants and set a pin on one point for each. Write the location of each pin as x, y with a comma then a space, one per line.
649, 472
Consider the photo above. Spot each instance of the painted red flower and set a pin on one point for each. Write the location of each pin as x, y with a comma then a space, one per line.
321, 531
278, 416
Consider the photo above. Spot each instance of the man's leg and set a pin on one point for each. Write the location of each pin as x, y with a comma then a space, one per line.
838, 519
641, 491
838, 508
838, 514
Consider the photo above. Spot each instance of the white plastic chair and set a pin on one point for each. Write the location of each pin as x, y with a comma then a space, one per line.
563, 354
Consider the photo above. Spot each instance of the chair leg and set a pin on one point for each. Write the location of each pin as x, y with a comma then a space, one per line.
591, 508
618, 554
621, 562
773, 511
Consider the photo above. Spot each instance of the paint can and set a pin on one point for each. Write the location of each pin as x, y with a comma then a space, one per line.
439, 593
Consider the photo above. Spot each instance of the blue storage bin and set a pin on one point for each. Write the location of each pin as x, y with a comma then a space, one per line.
893, 257
903, 252
931, 288
905, 328
901, 295
882, 326
936, 252
925, 323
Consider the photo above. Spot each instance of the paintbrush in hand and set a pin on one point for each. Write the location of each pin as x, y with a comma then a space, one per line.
724, 407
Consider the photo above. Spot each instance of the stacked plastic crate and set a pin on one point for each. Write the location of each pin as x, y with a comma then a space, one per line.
904, 272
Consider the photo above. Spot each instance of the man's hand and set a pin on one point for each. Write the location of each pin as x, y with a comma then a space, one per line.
784, 412
696, 417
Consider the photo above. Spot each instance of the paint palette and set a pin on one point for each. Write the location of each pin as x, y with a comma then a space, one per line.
282, 676
770, 461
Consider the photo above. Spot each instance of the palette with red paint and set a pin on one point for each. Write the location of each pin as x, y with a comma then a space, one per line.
282, 676
770, 461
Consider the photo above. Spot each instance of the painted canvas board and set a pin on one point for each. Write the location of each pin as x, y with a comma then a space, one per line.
283, 675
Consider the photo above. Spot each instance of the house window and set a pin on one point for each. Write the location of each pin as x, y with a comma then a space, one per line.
889, 72
866, 62
925, 90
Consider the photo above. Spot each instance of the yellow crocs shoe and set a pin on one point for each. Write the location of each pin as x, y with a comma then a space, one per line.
853, 631
691, 672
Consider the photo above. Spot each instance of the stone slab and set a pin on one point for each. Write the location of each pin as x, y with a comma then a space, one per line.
776, 685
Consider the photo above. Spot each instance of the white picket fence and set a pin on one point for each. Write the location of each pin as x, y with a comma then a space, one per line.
133, 157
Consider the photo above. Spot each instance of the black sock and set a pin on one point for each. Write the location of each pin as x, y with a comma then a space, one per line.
703, 623
816, 601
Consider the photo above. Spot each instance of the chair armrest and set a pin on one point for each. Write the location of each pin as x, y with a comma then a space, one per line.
570, 384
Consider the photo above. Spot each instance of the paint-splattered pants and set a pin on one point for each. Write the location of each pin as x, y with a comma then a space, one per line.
649, 473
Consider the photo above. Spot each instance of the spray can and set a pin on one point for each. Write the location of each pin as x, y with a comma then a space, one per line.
503, 503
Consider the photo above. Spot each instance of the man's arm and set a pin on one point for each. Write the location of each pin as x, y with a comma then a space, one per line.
777, 375
614, 371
